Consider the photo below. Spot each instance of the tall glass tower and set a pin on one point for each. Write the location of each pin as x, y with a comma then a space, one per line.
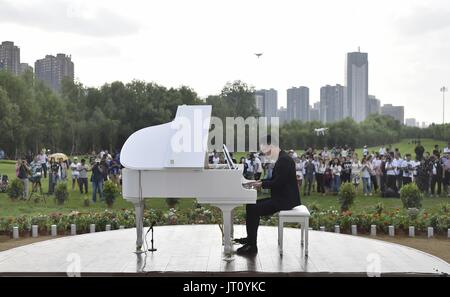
357, 80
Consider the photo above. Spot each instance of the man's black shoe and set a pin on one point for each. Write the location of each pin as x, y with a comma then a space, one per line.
247, 250
243, 240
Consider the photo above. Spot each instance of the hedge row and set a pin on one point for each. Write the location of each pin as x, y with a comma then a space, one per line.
328, 218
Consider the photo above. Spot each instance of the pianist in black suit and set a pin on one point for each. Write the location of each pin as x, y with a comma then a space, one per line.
285, 195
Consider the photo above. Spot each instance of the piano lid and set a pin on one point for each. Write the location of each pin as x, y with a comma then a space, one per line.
181, 143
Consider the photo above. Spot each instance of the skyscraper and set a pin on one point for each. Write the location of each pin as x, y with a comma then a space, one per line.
332, 103
314, 112
52, 70
282, 115
10, 57
397, 112
374, 105
24, 67
298, 104
65, 67
357, 80
259, 102
267, 102
411, 122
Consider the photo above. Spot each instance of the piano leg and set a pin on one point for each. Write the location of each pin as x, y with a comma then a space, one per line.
227, 211
139, 210
232, 224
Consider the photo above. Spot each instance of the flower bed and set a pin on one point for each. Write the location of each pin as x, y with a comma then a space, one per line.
328, 218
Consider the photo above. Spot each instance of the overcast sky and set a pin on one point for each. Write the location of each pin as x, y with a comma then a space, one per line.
205, 43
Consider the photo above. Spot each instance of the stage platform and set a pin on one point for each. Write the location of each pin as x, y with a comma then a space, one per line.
197, 250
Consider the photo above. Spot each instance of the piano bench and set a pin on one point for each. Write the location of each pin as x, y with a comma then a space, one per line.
299, 214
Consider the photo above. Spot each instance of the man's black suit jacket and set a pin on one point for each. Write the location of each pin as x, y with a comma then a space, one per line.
283, 184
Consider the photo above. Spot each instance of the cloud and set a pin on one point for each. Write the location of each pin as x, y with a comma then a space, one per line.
97, 50
424, 20
67, 17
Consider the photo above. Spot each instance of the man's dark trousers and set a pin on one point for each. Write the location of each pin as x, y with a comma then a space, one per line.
263, 207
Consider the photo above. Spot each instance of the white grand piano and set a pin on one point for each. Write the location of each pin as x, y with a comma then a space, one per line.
170, 160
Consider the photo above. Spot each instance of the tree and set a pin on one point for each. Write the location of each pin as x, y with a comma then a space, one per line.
235, 99
80, 119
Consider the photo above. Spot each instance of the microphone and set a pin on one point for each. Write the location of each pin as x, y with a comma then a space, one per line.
151, 228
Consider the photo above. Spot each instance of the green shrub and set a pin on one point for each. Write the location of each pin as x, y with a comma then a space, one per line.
440, 222
171, 216
110, 192
313, 207
411, 196
347, 196
444, 207
15, 189
61, 192
413, 213
172, 202
42, 221
330, 217
200, 215
378, 208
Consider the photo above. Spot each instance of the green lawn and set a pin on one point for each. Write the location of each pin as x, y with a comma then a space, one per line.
406, 146
75, 201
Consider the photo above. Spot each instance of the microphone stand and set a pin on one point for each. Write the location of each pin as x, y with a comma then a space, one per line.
151, 228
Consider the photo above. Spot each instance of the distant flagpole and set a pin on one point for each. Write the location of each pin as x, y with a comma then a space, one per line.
443, 90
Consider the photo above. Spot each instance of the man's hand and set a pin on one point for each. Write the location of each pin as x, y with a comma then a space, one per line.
257, 184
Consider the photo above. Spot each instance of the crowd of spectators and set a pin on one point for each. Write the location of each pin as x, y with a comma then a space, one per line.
383, 171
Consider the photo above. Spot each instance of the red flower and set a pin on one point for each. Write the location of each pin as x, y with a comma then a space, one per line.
347, 213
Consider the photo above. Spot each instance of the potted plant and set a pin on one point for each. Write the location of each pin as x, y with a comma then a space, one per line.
86, 201
411, 196
61, 193
110, 192
172, 202
15, 189
347, 196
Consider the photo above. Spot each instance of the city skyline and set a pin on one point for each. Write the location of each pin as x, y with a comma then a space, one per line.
51, 69
408, 56
336, 102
